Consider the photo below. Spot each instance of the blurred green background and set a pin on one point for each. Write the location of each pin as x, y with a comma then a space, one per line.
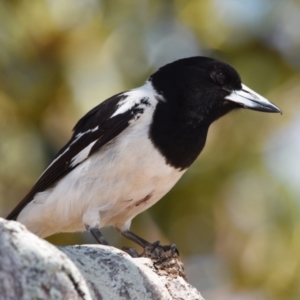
235, 215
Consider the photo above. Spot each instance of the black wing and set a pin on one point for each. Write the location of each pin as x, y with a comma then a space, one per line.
98, 127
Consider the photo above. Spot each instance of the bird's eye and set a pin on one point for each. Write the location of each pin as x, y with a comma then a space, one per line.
221, 78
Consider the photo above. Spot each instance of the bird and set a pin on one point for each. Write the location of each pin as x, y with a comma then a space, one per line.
126, 153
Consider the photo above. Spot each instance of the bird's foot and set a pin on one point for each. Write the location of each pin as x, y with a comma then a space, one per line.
156, 250
165, 259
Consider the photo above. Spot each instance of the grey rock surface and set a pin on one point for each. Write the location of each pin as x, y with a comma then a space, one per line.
112, 274
31, 268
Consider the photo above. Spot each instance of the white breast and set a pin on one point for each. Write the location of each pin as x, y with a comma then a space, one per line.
124, 178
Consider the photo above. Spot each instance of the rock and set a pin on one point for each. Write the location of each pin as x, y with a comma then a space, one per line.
31, 268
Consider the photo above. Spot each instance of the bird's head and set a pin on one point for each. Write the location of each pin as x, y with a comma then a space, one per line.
206, 88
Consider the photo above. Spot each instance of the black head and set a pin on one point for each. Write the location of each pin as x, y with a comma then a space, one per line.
194, 92
207, 87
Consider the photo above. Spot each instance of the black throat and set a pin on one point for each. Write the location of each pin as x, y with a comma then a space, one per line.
177, 137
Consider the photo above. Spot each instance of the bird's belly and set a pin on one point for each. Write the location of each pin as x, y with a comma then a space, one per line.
130, 184
124, 178
138, 196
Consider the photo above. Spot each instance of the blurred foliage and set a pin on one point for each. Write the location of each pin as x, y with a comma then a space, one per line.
235, 213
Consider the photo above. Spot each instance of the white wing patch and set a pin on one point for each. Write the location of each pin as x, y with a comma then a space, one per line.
77, 137
135, 97
80, 134
82, 155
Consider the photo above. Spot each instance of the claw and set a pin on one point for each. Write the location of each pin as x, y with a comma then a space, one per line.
155, 245
171, 248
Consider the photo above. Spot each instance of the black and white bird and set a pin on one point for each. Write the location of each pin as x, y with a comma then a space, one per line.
129, 151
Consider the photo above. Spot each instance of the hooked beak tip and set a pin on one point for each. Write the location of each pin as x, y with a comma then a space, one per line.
251, 100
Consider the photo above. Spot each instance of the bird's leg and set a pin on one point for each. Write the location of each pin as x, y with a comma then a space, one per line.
144, 244
136, 239
95, 232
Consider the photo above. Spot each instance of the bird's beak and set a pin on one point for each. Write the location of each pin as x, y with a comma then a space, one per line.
251, 100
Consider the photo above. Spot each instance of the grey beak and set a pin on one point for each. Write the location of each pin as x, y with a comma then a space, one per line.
251, 100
